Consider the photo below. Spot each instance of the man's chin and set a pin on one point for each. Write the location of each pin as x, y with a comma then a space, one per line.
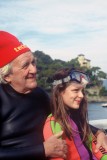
32, 85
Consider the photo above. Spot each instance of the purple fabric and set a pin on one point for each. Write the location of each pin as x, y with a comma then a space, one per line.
79, 145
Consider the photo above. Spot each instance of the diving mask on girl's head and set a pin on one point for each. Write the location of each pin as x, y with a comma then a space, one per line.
74, 75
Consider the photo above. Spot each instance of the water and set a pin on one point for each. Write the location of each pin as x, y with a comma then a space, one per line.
96, 111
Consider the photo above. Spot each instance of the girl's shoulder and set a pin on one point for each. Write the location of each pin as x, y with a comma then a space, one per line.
51, 126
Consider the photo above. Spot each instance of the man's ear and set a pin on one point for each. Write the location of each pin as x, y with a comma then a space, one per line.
7, 78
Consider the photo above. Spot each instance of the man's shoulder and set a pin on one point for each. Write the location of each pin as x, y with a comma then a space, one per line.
42, 97
39, 90
1, 89
40, 93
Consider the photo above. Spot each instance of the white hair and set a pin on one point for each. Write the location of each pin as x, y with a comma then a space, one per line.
4, 71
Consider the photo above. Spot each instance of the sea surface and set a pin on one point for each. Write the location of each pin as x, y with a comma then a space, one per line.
96, 111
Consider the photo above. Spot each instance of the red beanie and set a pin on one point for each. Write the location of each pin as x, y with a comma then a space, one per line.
10, 48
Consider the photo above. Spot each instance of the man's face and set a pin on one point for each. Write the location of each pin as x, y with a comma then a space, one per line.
23, 75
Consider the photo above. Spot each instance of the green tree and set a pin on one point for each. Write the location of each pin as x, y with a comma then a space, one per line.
103, 92
46, 66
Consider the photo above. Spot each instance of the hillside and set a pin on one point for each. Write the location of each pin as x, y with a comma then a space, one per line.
93, 95
47, 66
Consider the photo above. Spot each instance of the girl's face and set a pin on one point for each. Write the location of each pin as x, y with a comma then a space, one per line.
72, 95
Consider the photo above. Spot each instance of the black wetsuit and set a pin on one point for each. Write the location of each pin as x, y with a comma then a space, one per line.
22, 118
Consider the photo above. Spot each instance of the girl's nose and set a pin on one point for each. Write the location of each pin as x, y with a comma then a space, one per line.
81, 94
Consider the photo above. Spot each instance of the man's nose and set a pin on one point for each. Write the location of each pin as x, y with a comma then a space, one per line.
33, 68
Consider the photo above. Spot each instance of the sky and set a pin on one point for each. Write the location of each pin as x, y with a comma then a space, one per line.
62, 29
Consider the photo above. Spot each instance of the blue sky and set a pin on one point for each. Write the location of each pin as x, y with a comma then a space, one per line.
62, 29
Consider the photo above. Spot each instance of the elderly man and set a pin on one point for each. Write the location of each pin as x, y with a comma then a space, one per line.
23, 106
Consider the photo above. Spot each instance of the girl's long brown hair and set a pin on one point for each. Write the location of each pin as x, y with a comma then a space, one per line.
60, 111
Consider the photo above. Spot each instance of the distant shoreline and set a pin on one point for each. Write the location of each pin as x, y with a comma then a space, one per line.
97, 99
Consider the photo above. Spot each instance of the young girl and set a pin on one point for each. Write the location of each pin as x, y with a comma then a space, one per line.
69, 113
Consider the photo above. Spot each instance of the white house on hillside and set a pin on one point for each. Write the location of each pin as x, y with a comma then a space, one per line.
83, 61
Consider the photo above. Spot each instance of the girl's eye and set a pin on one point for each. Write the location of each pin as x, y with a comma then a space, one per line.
76, 90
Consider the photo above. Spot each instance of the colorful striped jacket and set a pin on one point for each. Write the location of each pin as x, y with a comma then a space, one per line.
76, 149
